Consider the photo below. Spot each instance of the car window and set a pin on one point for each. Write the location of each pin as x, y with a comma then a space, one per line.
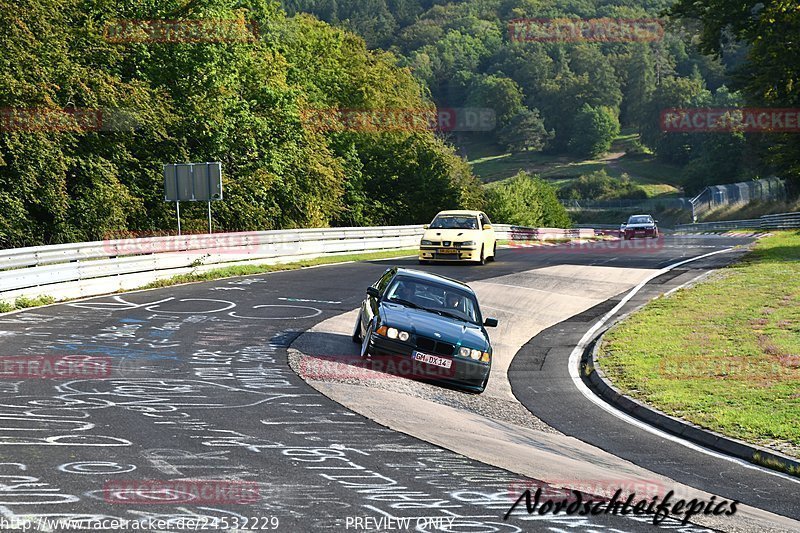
484, 220
461, 304
454, 222
384, 281
434, 297
640, 220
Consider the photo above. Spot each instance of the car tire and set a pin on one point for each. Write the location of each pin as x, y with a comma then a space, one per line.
482, 260
357, 330
494, 254
365, 343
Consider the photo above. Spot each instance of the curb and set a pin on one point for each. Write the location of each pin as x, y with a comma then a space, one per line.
601, 385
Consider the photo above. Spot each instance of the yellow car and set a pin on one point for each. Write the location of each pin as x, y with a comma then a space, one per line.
458, 236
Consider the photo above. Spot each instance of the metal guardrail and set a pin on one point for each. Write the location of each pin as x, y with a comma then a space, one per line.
107, 263
781, 221
598, 226
766, 222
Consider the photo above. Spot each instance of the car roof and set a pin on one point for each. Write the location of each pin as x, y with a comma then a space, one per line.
462, 212
427, 276
650, 216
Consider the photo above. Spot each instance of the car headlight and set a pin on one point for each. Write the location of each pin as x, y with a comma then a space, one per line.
426, 242
468, 243
473, 354
392, 333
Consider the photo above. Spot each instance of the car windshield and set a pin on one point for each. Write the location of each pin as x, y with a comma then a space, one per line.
640, 220
440, 299
454, 222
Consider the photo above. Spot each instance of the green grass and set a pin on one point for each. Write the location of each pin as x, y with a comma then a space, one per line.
24, 303
250, 270
724, 354
491, 164
500, 166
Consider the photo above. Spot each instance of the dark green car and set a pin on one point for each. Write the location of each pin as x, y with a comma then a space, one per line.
431, 324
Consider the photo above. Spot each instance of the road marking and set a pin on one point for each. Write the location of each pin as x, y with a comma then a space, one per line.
308, 301
574, 373
314, 312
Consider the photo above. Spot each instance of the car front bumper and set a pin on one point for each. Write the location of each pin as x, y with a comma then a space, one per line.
433, 253
644, 232
464, 373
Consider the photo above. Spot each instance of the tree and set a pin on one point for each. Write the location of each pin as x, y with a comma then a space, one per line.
497, 92
676, 148
525, 131
771, 70
594, 130
641, 83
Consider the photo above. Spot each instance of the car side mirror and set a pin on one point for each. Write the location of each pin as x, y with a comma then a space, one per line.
426, 226
656, 221
373, 292
490, 322
624, 224
487, 226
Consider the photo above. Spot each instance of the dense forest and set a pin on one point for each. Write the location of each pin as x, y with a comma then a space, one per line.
234, 101
573, 97
87, 119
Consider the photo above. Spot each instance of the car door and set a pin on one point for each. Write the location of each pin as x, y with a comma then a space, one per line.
489, 237
369, 307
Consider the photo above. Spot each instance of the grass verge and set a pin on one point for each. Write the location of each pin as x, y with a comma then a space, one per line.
724, 354
249, 270
24, 303
752, 210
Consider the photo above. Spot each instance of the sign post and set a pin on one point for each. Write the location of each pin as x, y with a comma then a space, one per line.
193, 182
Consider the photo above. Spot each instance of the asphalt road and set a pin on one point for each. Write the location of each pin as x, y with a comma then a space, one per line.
200, 389
540, 379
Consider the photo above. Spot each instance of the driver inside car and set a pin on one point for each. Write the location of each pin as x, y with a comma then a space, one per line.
454, 301
404, 292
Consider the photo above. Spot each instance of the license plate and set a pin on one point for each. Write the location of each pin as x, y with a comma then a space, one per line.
448, 251
433, 360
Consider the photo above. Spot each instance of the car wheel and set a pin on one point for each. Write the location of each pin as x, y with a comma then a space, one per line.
482, 260
357, 330
494, 253
365, 343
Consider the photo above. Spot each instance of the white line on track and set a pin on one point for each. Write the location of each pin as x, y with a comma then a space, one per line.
574, 372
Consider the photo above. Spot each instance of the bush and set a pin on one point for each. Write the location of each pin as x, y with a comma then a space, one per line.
526, 201
600, 186
636, 148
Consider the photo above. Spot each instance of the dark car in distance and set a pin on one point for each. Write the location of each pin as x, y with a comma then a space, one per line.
640, 226
431, 323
